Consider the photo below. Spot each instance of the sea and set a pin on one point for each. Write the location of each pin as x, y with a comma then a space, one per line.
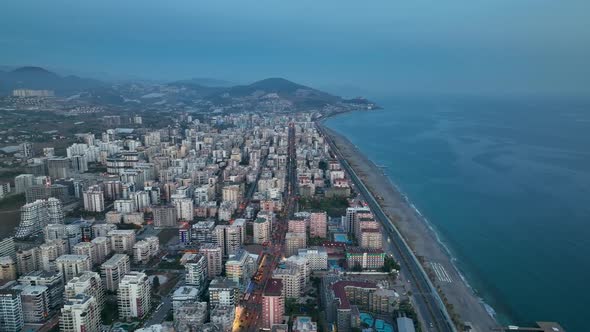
505, 183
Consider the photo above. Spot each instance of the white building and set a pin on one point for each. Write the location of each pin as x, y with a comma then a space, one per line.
103, 248
88, 283
94, 199
80, 314
240, 267
11, 311
134, 296
184, 208
113, 270
71, 266
88, 249
122, 241
196, 269
316, 256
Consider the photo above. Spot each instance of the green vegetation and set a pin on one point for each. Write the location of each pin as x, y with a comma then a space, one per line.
408, 310
323, 165
334, 206
390, 264
315, 241
110, 312
13, 202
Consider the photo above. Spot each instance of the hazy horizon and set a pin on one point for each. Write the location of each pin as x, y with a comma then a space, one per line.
485, 48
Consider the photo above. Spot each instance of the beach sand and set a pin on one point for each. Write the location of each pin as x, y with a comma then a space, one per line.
419, 235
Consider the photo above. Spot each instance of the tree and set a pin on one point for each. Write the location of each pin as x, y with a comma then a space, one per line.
323, 165
156, 283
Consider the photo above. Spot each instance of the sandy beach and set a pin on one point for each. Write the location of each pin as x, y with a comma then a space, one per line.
420, 236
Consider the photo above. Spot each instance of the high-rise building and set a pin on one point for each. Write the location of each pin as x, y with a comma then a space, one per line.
52, 280
88, 283
190, 316
318, 224
49, 252
223, 316
22, 182
80, 313
240, 267
290, 279
141, 252
212, 253
58, 167
54, 232
203, 232
113, 270
351, 217
273, 303
11, 311
7, 268
122, 241
371, 238
196, 270
102, 229
164, 216
230, 238
103, 248
71, 266
27, 260
46, 191
294, 242
297, 225
184, 208
35, 216
124, 205
316, 256
35, 304
88, 249
261, 228
365, 258
7, 247
94, 199
134, 296
224, 292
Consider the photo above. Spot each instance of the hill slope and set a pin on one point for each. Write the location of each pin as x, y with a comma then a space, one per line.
37, 78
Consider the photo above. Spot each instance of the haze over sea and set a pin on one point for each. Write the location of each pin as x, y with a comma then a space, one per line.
506, 185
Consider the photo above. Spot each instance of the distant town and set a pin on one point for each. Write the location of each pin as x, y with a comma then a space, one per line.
181, 207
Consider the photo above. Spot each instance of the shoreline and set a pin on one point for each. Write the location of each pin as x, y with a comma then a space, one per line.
437, 259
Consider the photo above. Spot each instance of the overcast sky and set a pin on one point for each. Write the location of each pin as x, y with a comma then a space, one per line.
383, 47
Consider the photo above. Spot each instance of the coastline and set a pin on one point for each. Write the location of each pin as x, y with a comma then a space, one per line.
420, 234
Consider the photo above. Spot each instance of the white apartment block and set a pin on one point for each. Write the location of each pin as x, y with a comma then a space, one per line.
134, 296
71, 266
80, 314
113, 270
93, 199
122, 240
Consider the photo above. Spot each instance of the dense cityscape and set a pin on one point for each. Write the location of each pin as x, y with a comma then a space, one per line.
240, 214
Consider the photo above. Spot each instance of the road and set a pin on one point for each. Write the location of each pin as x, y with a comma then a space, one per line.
249, 312
430, 307
158, 316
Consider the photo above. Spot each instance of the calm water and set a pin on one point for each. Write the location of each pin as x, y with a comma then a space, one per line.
507, 186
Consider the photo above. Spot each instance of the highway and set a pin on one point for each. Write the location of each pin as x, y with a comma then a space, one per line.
429, 305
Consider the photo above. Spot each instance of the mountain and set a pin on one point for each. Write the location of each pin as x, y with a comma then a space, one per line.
38, 78
206, 81
300, 95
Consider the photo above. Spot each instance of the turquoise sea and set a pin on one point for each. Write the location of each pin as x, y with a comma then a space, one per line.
505, 183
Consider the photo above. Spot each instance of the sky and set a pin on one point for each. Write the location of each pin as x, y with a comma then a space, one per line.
373, 47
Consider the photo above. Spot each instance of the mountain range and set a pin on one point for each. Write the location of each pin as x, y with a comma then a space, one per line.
218, 92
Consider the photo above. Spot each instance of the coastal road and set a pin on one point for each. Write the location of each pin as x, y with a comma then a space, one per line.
429, 305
